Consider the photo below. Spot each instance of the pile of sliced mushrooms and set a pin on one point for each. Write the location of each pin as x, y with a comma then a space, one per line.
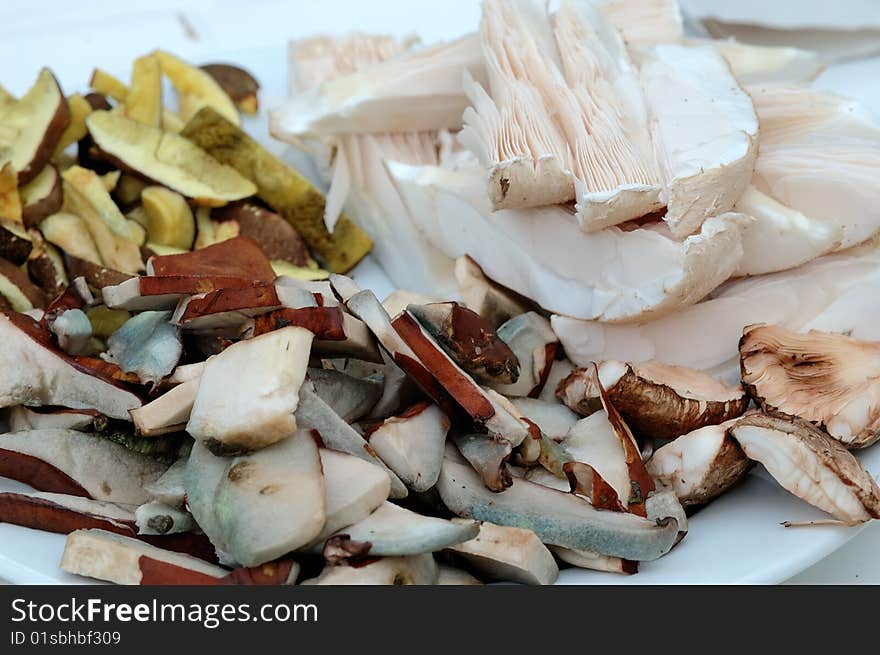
631, 265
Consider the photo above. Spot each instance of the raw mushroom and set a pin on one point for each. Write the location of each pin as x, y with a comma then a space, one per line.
553, 418
656, 400
488, 456
585, 559
700, 465
169, 412
155, 518
811, 465
170, 488
831, 380
493, 302
449, 575
350, 397
534, 343
598, 469
400, 299
413, 570
23, 418
73, 330
63, 513
146, 345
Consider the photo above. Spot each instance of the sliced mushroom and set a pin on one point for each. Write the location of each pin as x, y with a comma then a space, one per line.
586, 559
488, 455
241, 257
124, 560
249, 392
169, 412
237, 83
831, 380
599, 469
656, 400
202, 477
414, 570
146, 345
45, 266
170, 488
553, 418
64, 513
278, 238
449, 575
534, 343
504, 553
41, 197
411, 444
394, 531
155, 518
400, 299
73, 330
314, 414
151, 293
493, 302
36, 374
20, 294
557, 518
811, 465
15, 242
470, 341
23, 418
186, 372
350, 397
79, 464
700, 465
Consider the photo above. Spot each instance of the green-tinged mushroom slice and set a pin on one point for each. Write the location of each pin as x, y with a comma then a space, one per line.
147, 345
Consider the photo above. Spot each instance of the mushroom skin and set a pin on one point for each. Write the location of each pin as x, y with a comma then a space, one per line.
657, 401
810, 464
831, 380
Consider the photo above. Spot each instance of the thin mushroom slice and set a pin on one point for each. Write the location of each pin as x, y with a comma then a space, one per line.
657, 401
557, 517
534, 343
23, 418
512, 554
553, 418
490, 300
413, 570
488, 456
350, 397
586, 559
170, 488
169, 412
810, 465
394, 531
831, 380
63, 513
146, 345
700, 465
411, 444
470, 341
598, 469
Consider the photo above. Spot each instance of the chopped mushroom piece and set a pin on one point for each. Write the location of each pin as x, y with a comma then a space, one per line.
810, 465
413, 570
449, 575
493, 302
831, 380
586, 559
156, 518
63, 513
553, 418
23, 418
146, 345
169, 412
504, 553
170, 487
594, 442
350, 397
488, 456
656, 400
534, 344
700, 465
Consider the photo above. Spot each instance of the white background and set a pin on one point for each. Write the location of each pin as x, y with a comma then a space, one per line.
74, 37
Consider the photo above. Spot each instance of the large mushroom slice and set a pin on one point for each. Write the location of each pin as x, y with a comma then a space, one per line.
249, 392
556, 517
534, 343
35, 374
700, 465
63, 513
154, 293
598, 468
512, 554
831, 380
810, 465
411, 444
413, 570
656, 400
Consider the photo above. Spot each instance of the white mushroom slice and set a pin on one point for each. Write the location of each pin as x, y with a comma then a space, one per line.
594, 442
411, 444
834, 294
449, 575
78, 463
553, 418
322, 289
63, 513
394, 531
613, 275
490, 300
358, 342
146, 345
398, 300
271, 502
350, 397
414, 570
34, 374
123, 560
828, 379
504, 553
644, 23
156, 518
559, 370
170, 487
542, 476
185, 373
353, 489
314, 414
534, 343
810, 465
705, 132
204, 472
656, 400
488, 455
23, 418
344, 286
756, 64
700, 465
73, 330
170, 412
586, 559
249, 392
558, 518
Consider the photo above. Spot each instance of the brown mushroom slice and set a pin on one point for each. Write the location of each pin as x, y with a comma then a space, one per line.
411, 444
490, 300
700, 465
63, 513
830, 380
15, 243
20, 293
166, 158
480, 405
811, 465
328, 324
535, 344
237, 83
556, 517
249, 392
41, 197
23, 418
150, 293
36, 374
169, 412
94, 275
586, 559
488, 456
314, 414
10, 199
226, 309
278, 238
114, 558
350, 397
449, 575
79, 464
658, 401
413, 570
240, 257
37, 121
45, 266
505, 553
470, 341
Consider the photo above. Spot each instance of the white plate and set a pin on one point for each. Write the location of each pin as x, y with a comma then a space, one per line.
737, 539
